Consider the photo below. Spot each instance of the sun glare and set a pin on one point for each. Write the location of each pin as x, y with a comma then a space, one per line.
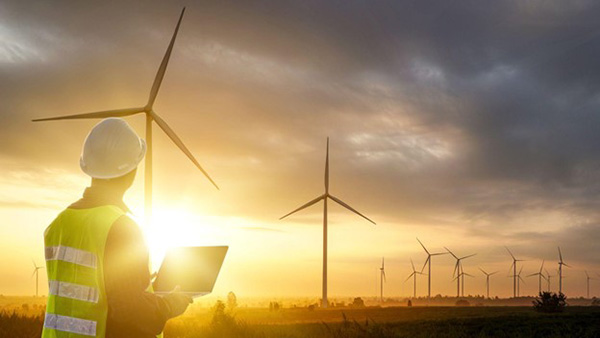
174, 227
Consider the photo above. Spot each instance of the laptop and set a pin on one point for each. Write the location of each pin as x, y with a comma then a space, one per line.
194, 269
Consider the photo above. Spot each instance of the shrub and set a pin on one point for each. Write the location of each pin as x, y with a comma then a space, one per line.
462, 302
550, 302
358, 302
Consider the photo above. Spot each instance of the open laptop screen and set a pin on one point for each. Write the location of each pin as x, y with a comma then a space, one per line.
194, 269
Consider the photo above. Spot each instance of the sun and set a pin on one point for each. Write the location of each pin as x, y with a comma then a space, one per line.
176, 227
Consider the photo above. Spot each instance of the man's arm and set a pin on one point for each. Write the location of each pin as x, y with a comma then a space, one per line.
126, 275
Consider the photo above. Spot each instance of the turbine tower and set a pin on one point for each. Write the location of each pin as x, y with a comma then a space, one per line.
487, 280
560, 265
514, 267
540, 276
458, 270
151, 116
324, 198
588, 278
382, 272
414, 276
428, 263
36, 270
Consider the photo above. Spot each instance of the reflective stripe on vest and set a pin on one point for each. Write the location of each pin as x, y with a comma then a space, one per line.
70, 324
73, 291
71, 255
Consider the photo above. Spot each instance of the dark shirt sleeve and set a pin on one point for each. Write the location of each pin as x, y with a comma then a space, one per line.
132, 312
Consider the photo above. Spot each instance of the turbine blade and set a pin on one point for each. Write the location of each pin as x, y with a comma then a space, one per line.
567, 265
384, 279
327, 168
349, 208
424, 265
467, 274
96, 115
33, 274
305, 206
465, 257
493, 273
165, 127
424, 248
510, 253
438, 254
409, 277
559, 254
483, 271
163, 66
413, 265
533, 274
453, 255
541, 267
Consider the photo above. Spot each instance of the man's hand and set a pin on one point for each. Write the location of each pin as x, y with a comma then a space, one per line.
178, 302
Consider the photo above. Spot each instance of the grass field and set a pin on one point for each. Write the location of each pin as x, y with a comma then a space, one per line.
486, 321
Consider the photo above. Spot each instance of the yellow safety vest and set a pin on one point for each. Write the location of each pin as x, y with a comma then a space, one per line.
74, 245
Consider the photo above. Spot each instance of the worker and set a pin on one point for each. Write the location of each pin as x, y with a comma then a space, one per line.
96, 257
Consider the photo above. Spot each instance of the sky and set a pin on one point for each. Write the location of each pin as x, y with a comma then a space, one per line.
470, 125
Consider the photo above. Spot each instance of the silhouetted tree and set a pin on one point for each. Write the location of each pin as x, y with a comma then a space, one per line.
550, 302
231, 301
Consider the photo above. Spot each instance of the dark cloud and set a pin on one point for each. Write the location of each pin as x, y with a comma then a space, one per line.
482, 111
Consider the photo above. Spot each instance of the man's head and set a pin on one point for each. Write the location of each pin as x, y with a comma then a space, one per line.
111, 153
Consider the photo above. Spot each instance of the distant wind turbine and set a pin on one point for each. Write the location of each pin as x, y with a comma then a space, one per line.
36, 270
588, 278
428, 263
487, 280
382, 271
414, 274
514, 267
519, 280
458, 270
151, 116
560, 265
462, 275
540, 276
548, 276
324, 198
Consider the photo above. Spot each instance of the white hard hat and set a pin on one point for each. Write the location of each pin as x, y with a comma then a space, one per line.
111, 149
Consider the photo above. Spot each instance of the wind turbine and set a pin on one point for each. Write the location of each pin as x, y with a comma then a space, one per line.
428, 262
540, 276
462, 275
487, 280
151, 116
548, 276
560, 265
324, 198
36, 270
519, 280
414, 276
588, 278
458, 270
382, 272
514, 266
